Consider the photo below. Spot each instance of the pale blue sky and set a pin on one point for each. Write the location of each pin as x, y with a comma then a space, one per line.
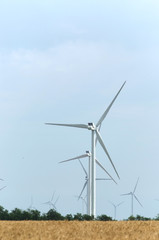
64, 62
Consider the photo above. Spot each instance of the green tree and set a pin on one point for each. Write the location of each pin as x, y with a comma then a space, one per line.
4, 215
26, 215
16, 214
104, 218
54, 215
69, 217
87, 217
78, 217
131, 218
157, 217
34, 214
141, 218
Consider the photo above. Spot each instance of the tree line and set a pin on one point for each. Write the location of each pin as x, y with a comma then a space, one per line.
33, 214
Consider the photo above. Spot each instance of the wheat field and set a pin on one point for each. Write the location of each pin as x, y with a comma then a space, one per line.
75, 230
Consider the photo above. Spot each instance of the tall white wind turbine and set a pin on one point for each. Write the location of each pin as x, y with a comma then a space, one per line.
88, 176
132, 194
95, 131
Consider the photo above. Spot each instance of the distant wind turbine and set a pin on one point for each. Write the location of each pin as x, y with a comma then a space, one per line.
51, 203
132, 194
94, 128
115, 207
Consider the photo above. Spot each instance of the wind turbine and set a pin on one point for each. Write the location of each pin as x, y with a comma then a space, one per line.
132, 194
94, 128
88, 178
51, 203
115, 207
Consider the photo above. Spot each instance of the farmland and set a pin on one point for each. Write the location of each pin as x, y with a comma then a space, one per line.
91, 230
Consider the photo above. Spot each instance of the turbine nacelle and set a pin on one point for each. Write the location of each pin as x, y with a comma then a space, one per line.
91, 126
88, 153
86, 178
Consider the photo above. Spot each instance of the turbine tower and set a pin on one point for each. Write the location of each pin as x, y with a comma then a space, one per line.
88, 178
132, 194
94, 128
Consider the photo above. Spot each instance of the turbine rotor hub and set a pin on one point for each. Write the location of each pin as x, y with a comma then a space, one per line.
88, 153
91, 126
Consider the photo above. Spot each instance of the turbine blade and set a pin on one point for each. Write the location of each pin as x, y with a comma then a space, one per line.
125, 194
83, 189
46, 202
56, 200
100, 165
136, 185
109, 107
137, 200
81, 156
69, 125
112, 204
83, 168
104, 148
53, 206
98, 131
104, 179
52, 197
120, 204
3, 188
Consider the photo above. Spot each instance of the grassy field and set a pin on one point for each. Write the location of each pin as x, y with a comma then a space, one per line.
52, 230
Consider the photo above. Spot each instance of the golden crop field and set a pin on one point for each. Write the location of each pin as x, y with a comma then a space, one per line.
75, 230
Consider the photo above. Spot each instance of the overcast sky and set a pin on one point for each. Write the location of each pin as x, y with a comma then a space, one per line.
64, 61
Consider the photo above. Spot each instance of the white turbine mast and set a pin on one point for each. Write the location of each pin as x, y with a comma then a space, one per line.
95, 131
88, 178
132, 194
